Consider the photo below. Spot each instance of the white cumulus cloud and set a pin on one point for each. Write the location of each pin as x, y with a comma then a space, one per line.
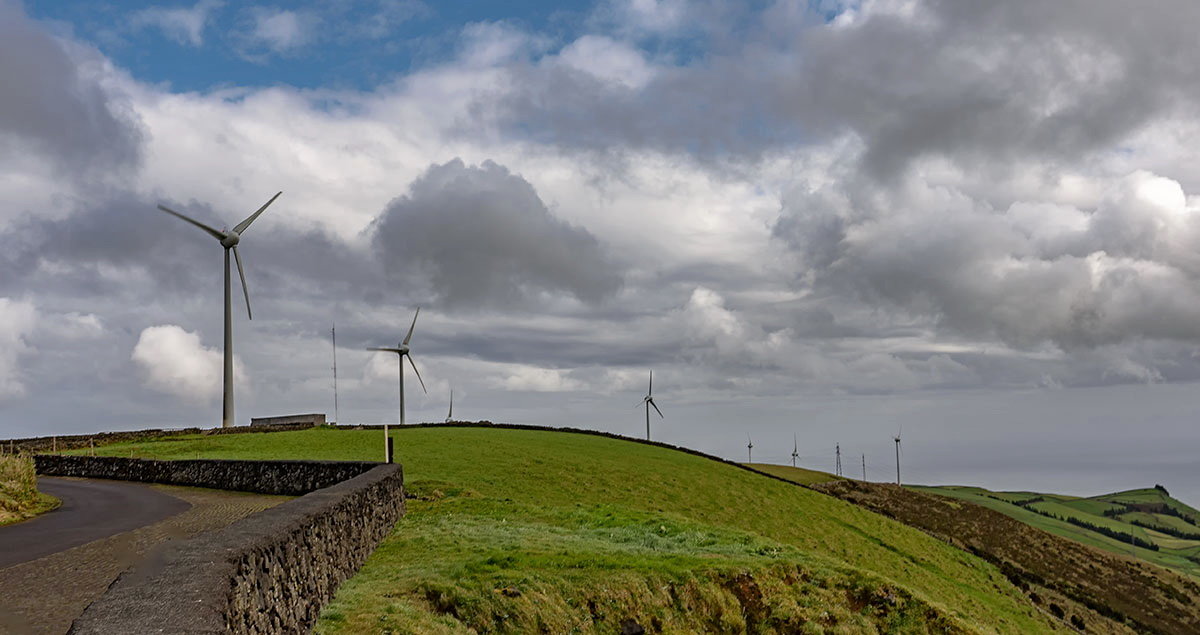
176, 362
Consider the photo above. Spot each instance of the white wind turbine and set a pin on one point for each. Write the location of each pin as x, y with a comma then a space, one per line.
450, 414
401, 352
648, 401
795, 449
897, 440
229, 240
749, 449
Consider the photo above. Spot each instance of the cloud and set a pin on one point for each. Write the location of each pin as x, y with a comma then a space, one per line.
183, 25
1031, 273
175, 362
481, 236
277, 31
17, 321
62, 109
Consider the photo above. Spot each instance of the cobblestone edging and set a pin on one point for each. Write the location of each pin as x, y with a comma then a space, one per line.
292, 478
267, 573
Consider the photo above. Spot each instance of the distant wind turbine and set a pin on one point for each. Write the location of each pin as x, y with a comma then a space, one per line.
229, 240
648, 401
795, 449
749, 449
401, 352
897, 440
450, 414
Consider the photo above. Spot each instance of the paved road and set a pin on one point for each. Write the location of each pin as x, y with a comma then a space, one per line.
90, 510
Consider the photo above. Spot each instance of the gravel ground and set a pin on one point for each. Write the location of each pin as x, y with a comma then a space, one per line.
45, 595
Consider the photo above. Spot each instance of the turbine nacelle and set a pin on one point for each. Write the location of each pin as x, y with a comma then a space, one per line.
231, 239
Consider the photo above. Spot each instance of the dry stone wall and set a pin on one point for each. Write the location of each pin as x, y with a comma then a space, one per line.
292, 478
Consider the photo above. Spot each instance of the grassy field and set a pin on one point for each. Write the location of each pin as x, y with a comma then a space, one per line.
1180, 555
794, 474
519, 531
19, 496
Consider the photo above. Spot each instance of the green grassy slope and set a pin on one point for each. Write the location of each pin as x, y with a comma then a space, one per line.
1173, 553
794, 474
517, 530
19, 496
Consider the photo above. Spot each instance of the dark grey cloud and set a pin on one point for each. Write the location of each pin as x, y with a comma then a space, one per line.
982, 83
480, 235
52, 106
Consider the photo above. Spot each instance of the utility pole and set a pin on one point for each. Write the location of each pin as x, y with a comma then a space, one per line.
333, 332
838, 465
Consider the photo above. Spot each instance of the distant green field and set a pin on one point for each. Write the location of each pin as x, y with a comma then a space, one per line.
1092, 507
528, 531
1172, 553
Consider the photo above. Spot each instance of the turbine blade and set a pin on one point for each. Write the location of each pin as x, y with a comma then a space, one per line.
241, 227
413, 326
211, 232
385, 349
651, 391
660, 414
414, 365
237, 256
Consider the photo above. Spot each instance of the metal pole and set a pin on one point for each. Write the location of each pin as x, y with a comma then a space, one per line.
227, 405
335, 399
897, 461
647, 420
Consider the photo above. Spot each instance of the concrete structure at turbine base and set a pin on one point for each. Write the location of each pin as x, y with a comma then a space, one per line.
314, 419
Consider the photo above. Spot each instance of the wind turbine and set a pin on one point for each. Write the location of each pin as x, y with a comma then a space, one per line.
749, 449
401, 352
648, 401
229, 240
795, 449
897, 440
449, 415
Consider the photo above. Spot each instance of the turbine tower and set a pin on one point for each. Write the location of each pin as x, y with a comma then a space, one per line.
897, 440
648, 401
401, 352
749, 449
229, 239
795, 449
450, 414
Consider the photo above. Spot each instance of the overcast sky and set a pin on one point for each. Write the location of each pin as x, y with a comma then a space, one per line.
974, 222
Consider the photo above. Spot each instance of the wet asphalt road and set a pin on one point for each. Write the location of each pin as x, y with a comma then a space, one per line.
90, 510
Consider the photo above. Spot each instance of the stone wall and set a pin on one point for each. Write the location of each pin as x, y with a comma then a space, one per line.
268, 573
32, 445
291, 478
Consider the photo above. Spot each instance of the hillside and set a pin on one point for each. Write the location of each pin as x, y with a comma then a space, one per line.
1094, 590
520, 530
19, 496
1144, 523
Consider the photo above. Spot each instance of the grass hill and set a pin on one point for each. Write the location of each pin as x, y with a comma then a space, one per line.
1093, 590
1143, 523
537, 531
19, 496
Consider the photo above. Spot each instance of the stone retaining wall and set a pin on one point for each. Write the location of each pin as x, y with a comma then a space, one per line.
268, 573
292, 478
33, 445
